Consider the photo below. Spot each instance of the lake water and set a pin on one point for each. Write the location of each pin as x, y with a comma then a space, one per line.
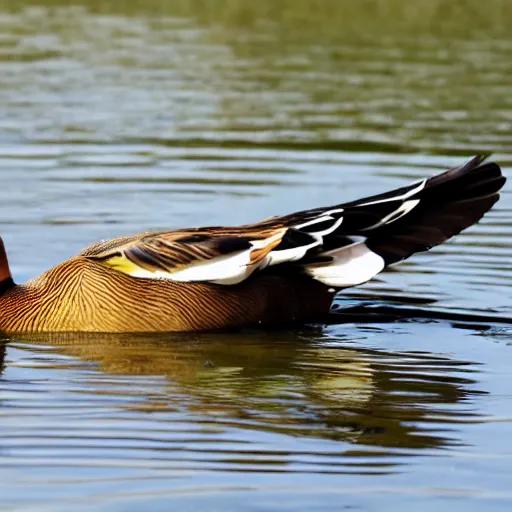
118, 117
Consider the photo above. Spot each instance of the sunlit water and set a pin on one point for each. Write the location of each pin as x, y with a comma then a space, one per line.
116, 120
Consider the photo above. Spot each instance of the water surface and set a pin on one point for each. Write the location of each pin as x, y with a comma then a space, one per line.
117, 118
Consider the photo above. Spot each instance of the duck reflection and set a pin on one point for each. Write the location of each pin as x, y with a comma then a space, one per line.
282, 382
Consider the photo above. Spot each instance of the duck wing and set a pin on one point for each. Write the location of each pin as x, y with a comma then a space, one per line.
214, 254
341, 245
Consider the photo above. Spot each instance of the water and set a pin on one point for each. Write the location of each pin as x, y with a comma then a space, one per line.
118, 118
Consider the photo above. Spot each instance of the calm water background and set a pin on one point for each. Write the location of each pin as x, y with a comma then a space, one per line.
117, 118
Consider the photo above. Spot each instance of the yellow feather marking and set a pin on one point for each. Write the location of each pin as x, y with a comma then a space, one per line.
122, 264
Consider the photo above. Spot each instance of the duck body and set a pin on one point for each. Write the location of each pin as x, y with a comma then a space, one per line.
281, 271
80, 296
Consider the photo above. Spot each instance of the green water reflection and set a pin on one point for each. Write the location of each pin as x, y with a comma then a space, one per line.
283, 382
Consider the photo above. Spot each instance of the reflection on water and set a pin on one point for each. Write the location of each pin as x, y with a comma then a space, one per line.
121, 117
292, 384
152, 415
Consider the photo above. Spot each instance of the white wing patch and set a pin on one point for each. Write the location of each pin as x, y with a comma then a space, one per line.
404, 209
228, 269
403, 197
320, 234
352, 265
293, 254
297, 253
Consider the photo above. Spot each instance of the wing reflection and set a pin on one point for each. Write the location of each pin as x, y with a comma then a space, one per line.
278, 382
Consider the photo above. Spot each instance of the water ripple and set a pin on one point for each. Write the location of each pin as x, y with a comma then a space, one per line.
117, 119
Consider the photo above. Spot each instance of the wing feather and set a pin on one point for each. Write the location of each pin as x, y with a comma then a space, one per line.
340, 245
213, 255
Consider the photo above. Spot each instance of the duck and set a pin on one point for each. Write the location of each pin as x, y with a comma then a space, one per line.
274, 273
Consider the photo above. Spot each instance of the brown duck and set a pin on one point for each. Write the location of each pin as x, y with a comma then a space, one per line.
280, 271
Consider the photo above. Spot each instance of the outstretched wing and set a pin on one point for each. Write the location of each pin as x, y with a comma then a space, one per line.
340, 245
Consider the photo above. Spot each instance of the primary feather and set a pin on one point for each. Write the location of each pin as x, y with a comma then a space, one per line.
340, 246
